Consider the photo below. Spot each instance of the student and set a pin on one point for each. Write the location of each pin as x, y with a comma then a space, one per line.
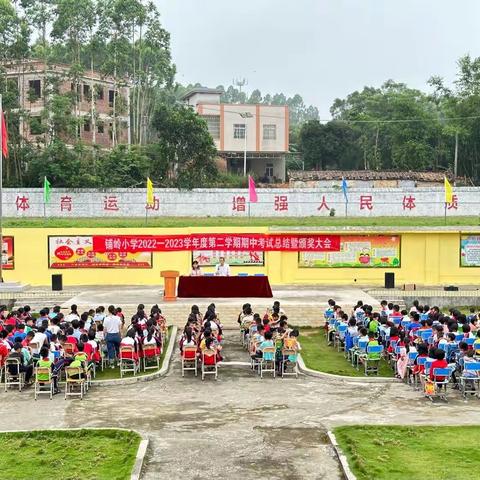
384, 312
374, 324
267, 343
73, 315
46, 362
476, 344
439, 362
18, 353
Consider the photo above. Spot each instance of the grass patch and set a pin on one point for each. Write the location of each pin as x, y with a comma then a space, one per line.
69, 455
413, 452
172, 222
318, 356
114, 373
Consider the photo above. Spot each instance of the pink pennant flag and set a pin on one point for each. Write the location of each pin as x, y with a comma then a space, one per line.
252, 192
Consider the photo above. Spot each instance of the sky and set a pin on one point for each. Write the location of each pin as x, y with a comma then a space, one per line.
321, 49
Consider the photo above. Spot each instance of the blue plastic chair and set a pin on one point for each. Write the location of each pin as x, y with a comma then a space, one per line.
208, 274
459, 337
470, 341
258, 274
405, 324
425, 335
242, 274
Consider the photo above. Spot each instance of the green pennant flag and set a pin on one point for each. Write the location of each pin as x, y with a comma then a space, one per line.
46, 190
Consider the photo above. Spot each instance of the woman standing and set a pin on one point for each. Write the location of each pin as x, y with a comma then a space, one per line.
112, 326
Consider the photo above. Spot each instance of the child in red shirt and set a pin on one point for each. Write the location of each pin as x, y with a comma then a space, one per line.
439, 362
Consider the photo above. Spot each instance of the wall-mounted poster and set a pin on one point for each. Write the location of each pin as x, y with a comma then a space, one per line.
375, 251
77, 252
7, 254
207, 258
470, 251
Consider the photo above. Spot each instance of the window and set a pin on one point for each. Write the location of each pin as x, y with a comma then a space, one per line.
35, 126
269, 170
100, 128
111, 96
35, 89
86, 92
100, 92
269, 132
213, 124
86, 125
238, 130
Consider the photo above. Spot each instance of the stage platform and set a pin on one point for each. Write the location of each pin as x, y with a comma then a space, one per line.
303, 304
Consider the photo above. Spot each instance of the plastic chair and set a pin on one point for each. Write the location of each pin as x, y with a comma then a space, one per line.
128, 363
189, 360
268, 363
289, 359
242, 274
75, 377
470, 378
13, 375
258, 274
209, 363
151, 357
43, 382
372, 364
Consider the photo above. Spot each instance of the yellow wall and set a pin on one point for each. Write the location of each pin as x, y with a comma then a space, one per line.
427, 258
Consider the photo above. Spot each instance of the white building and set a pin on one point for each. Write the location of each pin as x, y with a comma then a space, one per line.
260, 129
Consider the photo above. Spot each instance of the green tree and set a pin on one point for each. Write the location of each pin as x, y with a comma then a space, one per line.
185, 145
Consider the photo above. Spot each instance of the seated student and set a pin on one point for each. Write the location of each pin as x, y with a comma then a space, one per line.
352, 328
28, 338
266, 324
80, 361
372, 342
151, 339
374, 324
363, 334
19, 333
384, 312
439, 362
422, 350
290, 342
40, 338
25, 367
267, 343
257, 339
71, 338
46, 362
130, 341
467, 333
55, 311
414, 323
394, 339
99, 315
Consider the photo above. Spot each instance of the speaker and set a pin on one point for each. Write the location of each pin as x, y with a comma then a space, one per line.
389, 280
451, 288
57, 282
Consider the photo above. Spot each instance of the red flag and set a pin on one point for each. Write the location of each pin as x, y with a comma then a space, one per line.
252, 192
4, 137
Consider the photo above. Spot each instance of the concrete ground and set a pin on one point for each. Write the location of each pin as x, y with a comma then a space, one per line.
239, 427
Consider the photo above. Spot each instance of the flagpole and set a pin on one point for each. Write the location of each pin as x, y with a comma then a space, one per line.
1, 188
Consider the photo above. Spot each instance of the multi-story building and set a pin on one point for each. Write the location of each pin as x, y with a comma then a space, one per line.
260, 130
95, 98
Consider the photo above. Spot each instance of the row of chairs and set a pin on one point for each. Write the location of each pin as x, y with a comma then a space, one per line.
208, 364
130, 364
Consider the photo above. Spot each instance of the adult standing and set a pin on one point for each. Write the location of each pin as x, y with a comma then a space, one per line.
112, 327
222, 269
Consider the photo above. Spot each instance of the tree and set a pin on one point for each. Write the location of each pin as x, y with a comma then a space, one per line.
185, 145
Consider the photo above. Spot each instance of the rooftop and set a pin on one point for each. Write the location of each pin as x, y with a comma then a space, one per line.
366, 175
206, 90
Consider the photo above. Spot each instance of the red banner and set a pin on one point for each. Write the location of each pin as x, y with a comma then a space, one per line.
217, 241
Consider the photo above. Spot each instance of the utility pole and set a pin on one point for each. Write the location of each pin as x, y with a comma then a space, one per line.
455, 163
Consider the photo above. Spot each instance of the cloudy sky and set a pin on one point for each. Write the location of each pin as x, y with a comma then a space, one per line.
321, 49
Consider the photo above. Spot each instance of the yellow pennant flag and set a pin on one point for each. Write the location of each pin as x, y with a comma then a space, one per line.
448, 191
150, 199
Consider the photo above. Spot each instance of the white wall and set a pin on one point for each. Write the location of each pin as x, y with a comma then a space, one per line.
218, 202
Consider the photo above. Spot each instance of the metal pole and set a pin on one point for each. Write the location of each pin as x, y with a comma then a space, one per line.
245, 152
1, 192
455, 163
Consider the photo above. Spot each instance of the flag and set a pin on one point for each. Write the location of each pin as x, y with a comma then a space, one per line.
46, 190
448, 191
344, 189
150, 199
4, 137
252, 192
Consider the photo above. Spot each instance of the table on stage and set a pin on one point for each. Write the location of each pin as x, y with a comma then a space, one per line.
215, 287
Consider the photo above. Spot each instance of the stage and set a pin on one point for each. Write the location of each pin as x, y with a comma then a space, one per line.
303, 304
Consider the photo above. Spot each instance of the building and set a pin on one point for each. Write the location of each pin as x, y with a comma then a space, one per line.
261, 130
365, 178
35, 81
